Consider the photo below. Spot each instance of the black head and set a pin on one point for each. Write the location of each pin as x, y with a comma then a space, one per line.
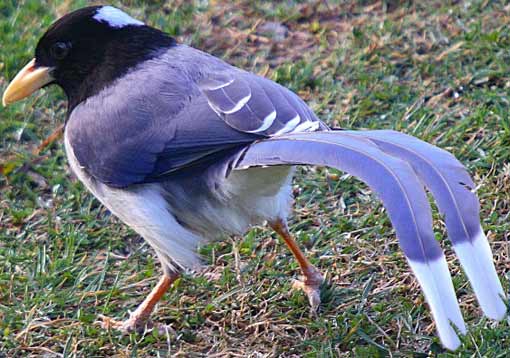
86, 50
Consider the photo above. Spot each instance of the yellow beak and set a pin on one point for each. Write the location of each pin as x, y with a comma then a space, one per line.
26, 82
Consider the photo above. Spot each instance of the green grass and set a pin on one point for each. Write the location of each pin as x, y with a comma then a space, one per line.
439, 72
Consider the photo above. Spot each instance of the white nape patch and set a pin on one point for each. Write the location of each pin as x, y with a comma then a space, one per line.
477, 260
238, 105
268, 121
115, 18
436, 283
290, 125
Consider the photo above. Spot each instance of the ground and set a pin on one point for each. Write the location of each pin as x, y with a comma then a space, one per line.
439, 72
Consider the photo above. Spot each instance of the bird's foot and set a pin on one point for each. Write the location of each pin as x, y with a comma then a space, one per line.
139, 321
310, 285
134, 323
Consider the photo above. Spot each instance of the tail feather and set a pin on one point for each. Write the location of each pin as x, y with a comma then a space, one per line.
441, 297
477, 261
401, 192
382, 159
452, 189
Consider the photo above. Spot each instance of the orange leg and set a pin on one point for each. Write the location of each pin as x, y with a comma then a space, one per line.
139, 319
312, 276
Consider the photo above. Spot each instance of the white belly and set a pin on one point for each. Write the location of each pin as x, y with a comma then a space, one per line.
175, 222
247, 197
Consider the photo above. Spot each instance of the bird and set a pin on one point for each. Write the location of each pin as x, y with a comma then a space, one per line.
186, 149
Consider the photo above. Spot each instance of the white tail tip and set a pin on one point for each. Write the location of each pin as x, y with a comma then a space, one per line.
477, 260
436, 283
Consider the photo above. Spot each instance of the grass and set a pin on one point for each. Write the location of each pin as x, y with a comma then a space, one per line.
439, 72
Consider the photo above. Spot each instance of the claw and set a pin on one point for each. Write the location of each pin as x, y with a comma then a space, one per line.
132, 324
310, 285
138, 320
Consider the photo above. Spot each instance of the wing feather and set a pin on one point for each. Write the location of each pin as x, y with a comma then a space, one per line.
253, 104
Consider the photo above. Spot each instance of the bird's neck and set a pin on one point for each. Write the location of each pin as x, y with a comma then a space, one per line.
122, 56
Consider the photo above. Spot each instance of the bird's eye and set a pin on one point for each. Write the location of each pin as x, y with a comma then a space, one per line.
59, 50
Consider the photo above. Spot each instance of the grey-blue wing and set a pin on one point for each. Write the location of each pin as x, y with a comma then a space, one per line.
141, 141
173, 113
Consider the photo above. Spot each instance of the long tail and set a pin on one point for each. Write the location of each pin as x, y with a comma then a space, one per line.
396, 166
